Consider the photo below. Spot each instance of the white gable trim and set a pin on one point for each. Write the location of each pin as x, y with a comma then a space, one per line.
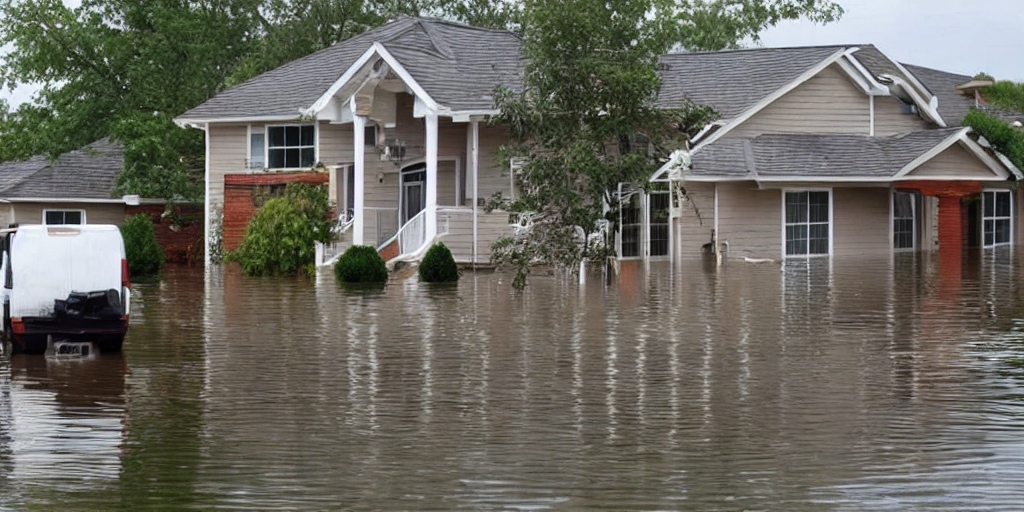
761, 105
379, 50
1000, 172
860, 75
926, 106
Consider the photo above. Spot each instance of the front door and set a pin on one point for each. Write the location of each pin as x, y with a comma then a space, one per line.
414, 193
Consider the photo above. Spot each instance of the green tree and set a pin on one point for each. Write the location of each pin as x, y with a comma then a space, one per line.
1004, 138
281, 237
125, 69
590, 89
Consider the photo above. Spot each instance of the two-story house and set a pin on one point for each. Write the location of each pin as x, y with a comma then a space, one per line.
832, 150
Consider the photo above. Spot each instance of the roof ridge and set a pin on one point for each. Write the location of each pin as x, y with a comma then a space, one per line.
764, 48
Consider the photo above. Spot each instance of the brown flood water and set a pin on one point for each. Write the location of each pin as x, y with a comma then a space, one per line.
855, 385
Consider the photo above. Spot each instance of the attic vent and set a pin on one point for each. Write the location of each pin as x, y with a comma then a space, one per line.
907, 108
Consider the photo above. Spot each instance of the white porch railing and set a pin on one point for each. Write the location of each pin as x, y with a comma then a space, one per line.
327, 254
412, 236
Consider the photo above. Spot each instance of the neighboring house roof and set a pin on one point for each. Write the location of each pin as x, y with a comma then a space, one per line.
87, 173
953, 106
733, 81
815, 157
458, 65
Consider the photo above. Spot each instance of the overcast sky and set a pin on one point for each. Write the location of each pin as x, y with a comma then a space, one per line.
963, 36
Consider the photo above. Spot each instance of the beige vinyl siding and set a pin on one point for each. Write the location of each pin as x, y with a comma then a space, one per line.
750, 220
446, 182
955, 161
890, 120
693, 229
861, 221
493, 173
490, 227
336, 144
228, 146
827, 103
32, 213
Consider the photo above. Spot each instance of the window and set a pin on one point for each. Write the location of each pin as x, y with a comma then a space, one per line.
904, 233
291, 147
658, 227
350, 192
56, 217
996, 220
256, 150
807, 223
370, 135
631, 224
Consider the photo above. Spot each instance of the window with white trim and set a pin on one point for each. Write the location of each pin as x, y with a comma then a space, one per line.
291, 147
58, 217
807, 223
257, 148
904, 227
997, 217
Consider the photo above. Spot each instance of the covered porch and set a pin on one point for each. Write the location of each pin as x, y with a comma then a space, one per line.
411, 174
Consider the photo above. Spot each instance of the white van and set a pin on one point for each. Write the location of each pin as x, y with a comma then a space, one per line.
64, 283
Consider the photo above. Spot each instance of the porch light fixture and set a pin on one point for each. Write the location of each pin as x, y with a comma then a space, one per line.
393, 150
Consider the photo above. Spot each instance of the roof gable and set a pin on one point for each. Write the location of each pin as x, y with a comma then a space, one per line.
457, 65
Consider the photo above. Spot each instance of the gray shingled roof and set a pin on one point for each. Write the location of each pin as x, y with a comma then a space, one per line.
87, 173
953, 106
734, 80
457, 65
806, 157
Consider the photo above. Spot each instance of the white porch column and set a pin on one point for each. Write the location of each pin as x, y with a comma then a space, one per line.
207, 204
474, 171
359, 165
431, 206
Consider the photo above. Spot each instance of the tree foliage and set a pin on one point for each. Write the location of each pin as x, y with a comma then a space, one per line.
282, 235
125, 69
587, 120
1006, 95
1004, 138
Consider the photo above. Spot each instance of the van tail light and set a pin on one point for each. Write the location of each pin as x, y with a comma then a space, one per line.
17, 326
125, 282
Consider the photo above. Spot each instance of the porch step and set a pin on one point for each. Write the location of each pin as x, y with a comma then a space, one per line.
389, 251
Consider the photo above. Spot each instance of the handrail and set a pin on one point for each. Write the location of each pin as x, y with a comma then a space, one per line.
412, 233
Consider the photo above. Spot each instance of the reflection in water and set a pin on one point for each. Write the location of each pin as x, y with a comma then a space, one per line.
879, 385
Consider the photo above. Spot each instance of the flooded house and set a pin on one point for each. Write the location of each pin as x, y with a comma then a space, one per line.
830, 151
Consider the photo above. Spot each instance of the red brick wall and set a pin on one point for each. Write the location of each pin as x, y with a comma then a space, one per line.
238, 204
181, 235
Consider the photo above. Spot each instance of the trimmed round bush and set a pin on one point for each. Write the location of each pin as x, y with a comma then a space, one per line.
143, 252
361, 264
438, 266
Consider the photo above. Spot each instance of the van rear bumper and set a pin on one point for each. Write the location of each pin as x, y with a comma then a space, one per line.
30, 334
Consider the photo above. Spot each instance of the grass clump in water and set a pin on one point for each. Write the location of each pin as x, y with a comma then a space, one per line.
361, 264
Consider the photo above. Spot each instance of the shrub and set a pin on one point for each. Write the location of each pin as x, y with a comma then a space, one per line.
144, 255
438, 266
1004, 138
281, 237
361, 264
